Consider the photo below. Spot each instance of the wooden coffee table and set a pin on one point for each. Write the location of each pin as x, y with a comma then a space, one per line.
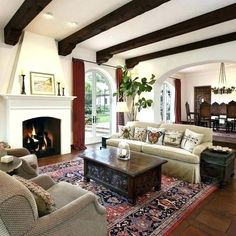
129, 178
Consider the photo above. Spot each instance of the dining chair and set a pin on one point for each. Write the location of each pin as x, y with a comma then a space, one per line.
215, 115
205, 114
192, 117
230, 116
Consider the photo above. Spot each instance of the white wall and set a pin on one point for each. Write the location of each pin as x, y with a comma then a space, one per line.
208, 78
7, 57
169, 65
90, 56
39, 53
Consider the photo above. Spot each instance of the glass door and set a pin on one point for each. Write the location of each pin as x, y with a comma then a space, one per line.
97, 106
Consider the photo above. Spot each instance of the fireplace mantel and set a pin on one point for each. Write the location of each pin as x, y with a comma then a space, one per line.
18, 108
36, 97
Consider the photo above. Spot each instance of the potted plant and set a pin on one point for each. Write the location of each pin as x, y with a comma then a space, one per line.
131, 90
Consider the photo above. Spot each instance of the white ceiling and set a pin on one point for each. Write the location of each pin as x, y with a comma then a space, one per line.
85, 12
206, 67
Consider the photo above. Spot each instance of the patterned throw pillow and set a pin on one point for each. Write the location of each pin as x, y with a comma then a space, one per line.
173, 138
191, 140
126, 132
140, 134
44, 201
155, 135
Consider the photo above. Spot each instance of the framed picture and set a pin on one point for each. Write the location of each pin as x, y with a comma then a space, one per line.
42, 84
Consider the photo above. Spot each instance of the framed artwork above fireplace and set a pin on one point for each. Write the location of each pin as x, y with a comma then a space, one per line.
42, 83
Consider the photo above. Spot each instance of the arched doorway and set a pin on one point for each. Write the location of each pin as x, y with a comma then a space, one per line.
98, 97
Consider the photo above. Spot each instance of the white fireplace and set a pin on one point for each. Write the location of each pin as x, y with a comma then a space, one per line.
15, 109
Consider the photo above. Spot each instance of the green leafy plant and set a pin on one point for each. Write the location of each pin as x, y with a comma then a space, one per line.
130, 88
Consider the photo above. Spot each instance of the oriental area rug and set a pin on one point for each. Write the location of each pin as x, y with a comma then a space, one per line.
155, 213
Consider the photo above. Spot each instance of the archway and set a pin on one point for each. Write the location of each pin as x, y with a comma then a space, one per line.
174, 71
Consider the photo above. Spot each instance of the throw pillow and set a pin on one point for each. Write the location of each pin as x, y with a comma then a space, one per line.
155, 135
173, 138
126, 132
45, 203
140, 134
191, 140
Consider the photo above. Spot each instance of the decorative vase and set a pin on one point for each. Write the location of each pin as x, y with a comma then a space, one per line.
123, 151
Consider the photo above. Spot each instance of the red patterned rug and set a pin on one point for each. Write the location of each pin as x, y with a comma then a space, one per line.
155, 213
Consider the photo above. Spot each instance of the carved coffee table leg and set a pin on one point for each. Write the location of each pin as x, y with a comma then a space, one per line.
157, 188
87, 179
131, 190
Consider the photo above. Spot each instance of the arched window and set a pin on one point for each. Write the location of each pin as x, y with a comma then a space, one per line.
167, 102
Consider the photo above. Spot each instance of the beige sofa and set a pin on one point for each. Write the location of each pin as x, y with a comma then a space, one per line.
181, 163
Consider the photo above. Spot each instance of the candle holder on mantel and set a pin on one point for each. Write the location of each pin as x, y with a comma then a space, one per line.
63, 91
23, 84
58, 89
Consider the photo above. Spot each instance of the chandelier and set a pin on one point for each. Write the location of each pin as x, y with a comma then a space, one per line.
222, 89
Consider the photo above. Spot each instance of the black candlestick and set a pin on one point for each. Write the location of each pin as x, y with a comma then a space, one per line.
63, 91
58, 89
23, 85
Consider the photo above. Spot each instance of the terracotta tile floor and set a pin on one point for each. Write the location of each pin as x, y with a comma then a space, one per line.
215, 216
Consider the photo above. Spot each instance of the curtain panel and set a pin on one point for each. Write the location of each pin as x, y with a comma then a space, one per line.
177, 101
78, 113
119, 115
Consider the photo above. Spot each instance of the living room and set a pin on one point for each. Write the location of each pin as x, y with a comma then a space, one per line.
35, 54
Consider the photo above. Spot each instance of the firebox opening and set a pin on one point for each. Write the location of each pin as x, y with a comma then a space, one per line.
41, 136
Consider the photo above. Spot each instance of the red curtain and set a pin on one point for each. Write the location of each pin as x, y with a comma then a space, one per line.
177, 101
119, 115
78, 114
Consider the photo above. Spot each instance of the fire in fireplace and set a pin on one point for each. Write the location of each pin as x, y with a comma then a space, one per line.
41, 136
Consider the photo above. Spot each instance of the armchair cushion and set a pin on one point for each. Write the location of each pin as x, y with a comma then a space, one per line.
32, 160
45, 202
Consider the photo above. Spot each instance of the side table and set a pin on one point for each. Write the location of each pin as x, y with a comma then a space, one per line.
104, 140
11, 166
218, 165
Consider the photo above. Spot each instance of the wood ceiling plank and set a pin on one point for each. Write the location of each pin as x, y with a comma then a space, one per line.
212, 18
118, 16
24, 15
131, 62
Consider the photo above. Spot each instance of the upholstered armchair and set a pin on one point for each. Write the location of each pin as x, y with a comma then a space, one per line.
29, 168
77, 211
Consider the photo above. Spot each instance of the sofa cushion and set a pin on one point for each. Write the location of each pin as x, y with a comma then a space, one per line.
171, 153
126, 132
155, 135
134, 145
143, 124
191, 140
45, 202
64, 193
208, 132
173, 138
140, 134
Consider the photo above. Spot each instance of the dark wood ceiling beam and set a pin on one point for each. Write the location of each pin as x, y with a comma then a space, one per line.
130, 63
196, 23
24, 15
120, 15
